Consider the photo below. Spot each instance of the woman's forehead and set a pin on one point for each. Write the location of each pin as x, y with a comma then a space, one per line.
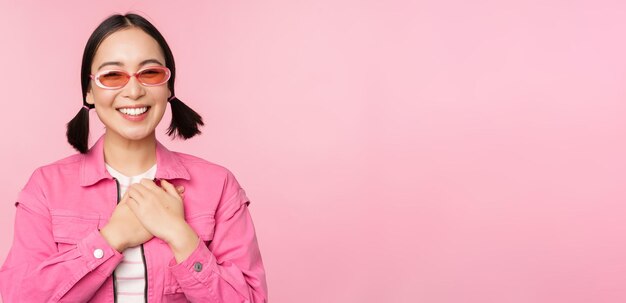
128, 48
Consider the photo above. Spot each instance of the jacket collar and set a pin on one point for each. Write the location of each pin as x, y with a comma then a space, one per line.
92, 168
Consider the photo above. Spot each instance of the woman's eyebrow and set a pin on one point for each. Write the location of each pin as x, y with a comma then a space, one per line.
144, 62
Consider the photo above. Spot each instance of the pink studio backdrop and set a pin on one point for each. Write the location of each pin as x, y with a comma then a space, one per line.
394, 151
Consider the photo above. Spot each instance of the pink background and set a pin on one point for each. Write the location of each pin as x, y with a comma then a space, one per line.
394, 151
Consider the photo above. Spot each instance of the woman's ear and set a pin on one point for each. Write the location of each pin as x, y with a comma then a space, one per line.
89, 97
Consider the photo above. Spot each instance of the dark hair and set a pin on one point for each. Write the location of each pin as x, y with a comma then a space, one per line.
185, 121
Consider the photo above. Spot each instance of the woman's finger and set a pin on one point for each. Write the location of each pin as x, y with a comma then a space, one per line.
133, 205
169, 188
137, 192
124, 198
149, 184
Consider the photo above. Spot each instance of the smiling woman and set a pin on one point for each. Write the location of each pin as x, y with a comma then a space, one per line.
128, 107
127, 220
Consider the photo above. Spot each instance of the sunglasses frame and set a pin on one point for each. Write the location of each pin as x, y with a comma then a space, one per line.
97, 76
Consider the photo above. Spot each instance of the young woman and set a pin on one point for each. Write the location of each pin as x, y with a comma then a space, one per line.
127, 220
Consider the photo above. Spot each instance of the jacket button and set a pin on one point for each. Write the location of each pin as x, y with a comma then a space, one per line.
98, 253
197, 266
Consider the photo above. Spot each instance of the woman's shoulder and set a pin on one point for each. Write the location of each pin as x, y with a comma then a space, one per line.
47, 175
210, 172
66, 162
192, 162
63, 167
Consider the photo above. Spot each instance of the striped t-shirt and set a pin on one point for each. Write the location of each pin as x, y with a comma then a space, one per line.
130, 280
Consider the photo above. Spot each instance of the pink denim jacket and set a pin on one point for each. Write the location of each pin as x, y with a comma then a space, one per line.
58, 254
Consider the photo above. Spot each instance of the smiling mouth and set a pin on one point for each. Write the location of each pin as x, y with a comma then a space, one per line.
133, 111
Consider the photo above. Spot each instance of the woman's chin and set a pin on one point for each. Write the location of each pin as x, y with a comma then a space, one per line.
134, 135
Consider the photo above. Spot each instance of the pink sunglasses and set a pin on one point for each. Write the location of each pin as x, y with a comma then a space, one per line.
149, 76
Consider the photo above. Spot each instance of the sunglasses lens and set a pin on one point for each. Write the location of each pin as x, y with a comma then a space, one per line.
113, 79
153, 76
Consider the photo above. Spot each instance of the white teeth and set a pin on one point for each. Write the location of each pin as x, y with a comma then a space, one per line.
133, 111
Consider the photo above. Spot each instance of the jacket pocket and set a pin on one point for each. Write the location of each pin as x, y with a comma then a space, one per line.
69, 227
204, 226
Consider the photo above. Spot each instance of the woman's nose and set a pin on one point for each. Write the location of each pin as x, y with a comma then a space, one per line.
133, 89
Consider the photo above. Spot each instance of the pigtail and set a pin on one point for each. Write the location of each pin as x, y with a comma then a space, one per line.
185, 121
78, 130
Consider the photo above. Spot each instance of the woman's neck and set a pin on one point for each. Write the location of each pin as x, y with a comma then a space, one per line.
129, 157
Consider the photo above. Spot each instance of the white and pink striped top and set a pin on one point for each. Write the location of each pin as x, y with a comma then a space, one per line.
130, 281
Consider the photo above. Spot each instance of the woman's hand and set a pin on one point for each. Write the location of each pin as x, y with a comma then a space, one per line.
124, 229
160, 210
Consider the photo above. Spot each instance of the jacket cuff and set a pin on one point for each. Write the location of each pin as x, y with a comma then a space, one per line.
97, 252
198, 267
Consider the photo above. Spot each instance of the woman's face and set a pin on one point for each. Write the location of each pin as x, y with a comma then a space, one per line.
129, 50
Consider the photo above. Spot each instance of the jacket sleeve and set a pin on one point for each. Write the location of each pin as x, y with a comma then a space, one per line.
231, 268
35, 270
